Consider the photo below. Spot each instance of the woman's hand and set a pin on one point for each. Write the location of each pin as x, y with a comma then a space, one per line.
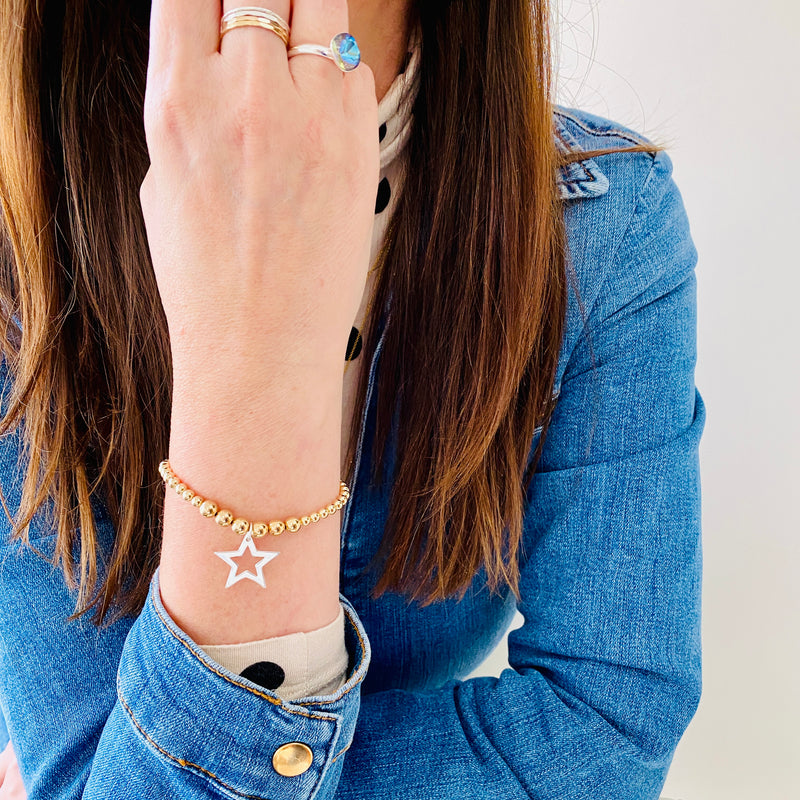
11, 786
259, 199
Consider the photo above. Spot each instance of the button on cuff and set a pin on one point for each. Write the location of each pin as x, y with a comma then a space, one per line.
292, 759
225, 728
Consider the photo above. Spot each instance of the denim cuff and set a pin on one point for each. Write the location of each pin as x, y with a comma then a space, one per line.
224, 728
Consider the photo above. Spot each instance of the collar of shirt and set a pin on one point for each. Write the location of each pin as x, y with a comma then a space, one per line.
394, 109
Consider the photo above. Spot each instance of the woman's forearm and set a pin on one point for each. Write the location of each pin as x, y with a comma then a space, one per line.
265, 455
259, 206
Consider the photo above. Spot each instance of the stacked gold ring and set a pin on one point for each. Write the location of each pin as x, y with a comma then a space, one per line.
225, 518
253, 15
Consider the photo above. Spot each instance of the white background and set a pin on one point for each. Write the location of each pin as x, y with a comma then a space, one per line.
717, 82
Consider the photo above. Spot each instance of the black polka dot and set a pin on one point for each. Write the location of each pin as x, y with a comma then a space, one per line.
384, 195
382, 132
265, 673
353, 345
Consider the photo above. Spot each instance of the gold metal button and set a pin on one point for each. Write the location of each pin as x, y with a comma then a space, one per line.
292, 759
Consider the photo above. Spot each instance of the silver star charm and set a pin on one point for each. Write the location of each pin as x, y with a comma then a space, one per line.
247, 543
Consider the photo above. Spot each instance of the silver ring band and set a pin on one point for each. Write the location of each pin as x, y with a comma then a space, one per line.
256, 11
342, 50
311, 50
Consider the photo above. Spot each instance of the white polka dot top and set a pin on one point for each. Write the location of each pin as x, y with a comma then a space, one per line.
315, 662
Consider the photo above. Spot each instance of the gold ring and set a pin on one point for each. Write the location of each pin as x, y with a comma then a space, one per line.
245, 16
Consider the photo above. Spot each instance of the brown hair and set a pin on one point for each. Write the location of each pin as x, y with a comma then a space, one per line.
476, 265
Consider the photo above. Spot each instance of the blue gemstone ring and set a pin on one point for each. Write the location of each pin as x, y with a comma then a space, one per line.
343, 51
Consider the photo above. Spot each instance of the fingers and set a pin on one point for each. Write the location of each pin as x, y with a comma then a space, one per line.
185, 33
182, 32
317, 22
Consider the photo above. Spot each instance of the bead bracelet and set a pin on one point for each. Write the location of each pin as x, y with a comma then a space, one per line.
225, 518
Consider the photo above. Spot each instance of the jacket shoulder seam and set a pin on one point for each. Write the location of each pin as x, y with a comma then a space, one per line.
612, 132
640, 204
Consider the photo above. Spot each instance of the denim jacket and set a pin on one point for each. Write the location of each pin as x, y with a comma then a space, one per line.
605, 672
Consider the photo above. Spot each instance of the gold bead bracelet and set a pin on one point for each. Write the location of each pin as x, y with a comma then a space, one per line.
225, 518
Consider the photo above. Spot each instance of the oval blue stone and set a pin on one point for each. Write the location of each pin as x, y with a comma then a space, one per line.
346, 51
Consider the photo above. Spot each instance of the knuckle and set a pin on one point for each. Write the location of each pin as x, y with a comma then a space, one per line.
364, 80
320, 143
249, 117
312, 138
360, 89
166, 112
365, 74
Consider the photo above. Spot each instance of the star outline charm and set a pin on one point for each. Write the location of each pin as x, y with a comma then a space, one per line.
247, 544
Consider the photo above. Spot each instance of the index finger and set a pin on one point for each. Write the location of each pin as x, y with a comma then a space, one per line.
183, 32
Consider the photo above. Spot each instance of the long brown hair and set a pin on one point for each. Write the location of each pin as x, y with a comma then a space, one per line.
476, 267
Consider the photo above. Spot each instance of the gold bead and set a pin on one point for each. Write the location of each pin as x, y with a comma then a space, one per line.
276, 528
305, 520
187, 494
172, 482
323, 512
293, 524
240, 526
198, 500
315, 517
224, 518
337, 504
260, 529
331, 508
209, 508
181, 488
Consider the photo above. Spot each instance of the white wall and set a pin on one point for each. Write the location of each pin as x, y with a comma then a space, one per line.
717, 81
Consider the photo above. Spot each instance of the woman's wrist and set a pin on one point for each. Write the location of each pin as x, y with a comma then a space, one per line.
234, 399
255, 353
264, 452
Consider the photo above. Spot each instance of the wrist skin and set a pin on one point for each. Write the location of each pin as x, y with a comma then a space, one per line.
264, 449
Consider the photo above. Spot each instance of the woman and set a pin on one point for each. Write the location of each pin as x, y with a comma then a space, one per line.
190, 245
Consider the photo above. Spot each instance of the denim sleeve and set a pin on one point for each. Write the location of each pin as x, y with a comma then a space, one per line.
605, 672
137, 710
